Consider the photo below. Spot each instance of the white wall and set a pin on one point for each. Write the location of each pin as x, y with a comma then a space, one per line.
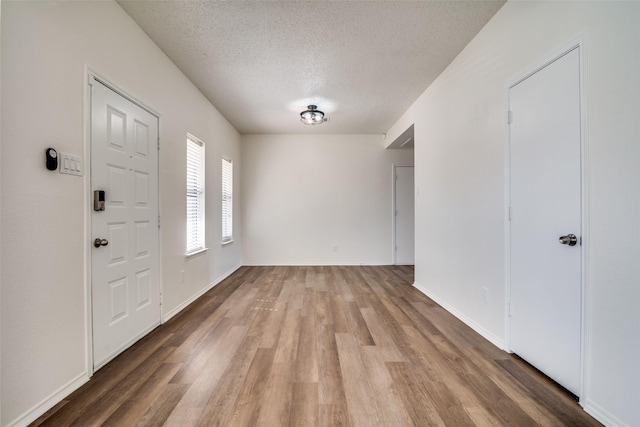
305, 194
460, 137
45, 47
0, 211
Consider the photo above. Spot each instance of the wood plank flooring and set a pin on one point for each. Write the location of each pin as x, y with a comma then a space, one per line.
316, 346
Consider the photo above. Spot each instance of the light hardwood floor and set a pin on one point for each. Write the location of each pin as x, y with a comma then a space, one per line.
325, 346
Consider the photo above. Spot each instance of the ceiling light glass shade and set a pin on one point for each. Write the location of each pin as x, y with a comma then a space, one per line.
312, 116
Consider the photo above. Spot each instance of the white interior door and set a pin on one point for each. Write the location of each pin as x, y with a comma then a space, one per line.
545, 275
124, 269
404, 215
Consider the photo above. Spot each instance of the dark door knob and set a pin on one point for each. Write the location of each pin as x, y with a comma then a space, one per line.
100, 242
569, 239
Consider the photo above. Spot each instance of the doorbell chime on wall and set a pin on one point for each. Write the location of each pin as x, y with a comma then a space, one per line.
51, 159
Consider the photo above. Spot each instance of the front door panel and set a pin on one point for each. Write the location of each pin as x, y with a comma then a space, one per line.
125, 281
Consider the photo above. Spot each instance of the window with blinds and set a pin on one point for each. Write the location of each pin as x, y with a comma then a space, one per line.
227, 200
195, 195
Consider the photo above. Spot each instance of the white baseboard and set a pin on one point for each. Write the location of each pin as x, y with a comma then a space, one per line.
316, 264
56, 397
498, 342
203, 291
601, 415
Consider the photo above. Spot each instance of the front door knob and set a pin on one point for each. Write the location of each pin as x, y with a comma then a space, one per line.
569, 239
100, 242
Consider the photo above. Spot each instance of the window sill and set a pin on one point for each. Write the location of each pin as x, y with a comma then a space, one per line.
198, 252
226, 242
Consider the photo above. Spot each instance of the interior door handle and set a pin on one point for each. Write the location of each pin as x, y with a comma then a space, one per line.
100, 242
569, 239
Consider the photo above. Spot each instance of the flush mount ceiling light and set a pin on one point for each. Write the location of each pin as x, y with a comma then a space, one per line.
312, 116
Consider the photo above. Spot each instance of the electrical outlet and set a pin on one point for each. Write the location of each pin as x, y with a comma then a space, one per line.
334, 248
485, 295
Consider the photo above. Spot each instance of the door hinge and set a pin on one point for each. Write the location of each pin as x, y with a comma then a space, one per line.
509, 309
158, 221
158, 144
509, 117
509, 213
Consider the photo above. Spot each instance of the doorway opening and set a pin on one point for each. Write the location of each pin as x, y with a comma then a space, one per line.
403, 204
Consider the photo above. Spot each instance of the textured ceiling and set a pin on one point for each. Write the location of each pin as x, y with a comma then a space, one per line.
262, 62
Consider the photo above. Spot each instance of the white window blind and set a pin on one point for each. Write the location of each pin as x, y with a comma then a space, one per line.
227, 200
195, 195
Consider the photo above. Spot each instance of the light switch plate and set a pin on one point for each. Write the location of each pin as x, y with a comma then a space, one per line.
69, 164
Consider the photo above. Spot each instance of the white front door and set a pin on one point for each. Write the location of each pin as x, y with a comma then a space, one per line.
545, 274
404, 215
125, 287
